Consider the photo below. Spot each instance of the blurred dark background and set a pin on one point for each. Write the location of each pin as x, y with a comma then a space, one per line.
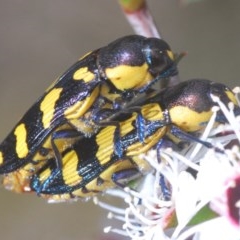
39, 40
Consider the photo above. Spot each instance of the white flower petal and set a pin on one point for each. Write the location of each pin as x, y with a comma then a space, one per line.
186, 205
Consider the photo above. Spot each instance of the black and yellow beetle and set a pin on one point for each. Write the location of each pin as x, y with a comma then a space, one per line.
111, 156
105, 78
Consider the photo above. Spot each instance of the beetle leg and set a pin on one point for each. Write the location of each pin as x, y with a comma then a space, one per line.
162, 181
62, 134
122, 177
166, 192
177, 132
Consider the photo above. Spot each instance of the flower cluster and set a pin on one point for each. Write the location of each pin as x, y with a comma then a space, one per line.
190, 194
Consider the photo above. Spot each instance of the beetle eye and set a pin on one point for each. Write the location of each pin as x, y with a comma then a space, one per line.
157, 60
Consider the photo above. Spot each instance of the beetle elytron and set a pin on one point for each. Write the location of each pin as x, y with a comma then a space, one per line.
105, 78
92, 165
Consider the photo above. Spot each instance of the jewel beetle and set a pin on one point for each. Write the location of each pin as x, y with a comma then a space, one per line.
100, 79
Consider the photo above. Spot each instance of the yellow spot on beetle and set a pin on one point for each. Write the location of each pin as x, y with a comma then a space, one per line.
122, 164
127, 126
189, 120
231, 97
69, 170
105, 141
125, 77
79, 108
45, 175
48, 106
21, 140
83, 74
152, 112
170, 55
1, 157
